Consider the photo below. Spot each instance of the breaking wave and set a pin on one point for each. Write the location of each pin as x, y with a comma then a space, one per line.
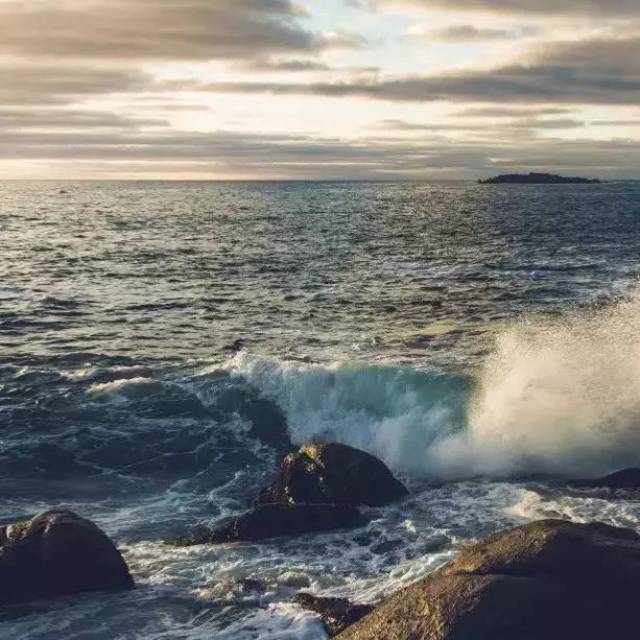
559, 396
396, 413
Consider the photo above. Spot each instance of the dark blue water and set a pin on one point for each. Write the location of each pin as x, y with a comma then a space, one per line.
155, 338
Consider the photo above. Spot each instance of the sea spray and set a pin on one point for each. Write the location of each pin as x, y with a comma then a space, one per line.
555, 396
393, 412
560, 396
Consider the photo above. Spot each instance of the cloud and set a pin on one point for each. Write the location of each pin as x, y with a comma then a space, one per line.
157, 29
261, 154
297, 65
507, 128
306, 65
598, 71
272, 156
615, 123
577, 7
64, 62
537, 124
511, 112
469, 33
43, 83
71, 119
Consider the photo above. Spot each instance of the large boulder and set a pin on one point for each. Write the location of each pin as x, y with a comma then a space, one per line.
336, 613
276, 520
332, 474
551, 579
57, 553
625, 479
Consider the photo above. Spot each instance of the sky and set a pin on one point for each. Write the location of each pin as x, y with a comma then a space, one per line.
318, 89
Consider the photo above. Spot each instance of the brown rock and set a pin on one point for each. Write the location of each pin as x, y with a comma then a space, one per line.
332, 474
276, 520
336, 613
549, 580
57, 553
625, 479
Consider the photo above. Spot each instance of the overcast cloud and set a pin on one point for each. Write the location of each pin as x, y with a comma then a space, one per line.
575, 7
154, 29
284, 88
589, 72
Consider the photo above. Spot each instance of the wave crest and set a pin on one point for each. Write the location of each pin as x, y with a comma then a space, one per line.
558, 397
394, 412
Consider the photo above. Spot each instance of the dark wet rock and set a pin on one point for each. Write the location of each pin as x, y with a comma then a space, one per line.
250, 585
421, 342
625, 479
551, 579
336, 613
386, 546
235, 346
294, 580
332, 474
368, 537
57, 553
277, 520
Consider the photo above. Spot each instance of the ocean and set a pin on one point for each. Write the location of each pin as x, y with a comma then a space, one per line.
484, 341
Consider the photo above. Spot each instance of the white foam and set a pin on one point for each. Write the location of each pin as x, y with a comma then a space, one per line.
557, 396
278, 622
126, 387
393, 412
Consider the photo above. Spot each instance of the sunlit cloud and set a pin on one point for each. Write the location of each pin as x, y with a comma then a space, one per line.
284, 88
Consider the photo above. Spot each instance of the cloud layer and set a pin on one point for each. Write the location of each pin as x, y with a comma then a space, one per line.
590, 72
296, 88
535, 7
154, 29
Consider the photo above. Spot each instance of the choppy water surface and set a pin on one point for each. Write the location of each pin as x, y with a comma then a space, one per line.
473, 337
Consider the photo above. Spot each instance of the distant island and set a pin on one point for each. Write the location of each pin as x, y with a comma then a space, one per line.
536, 178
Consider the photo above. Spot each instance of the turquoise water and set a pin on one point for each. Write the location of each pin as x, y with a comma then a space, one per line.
473, 337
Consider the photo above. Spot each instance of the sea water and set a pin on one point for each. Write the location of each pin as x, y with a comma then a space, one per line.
484, 341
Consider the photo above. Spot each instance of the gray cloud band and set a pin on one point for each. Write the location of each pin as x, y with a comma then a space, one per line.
300, 156
158, 30
587, 72
577, 7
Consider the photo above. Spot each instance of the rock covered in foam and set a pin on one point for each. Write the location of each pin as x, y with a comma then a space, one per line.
549, 579
57, 553
336, 613
332, 473
625, 479
277, 520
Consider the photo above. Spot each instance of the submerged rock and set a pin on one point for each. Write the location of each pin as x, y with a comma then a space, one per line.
336, 613
251, 585
276, 520
332, 474
625, 479
57, 553
551, 579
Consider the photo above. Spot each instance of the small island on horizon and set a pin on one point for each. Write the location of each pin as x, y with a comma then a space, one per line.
536, 178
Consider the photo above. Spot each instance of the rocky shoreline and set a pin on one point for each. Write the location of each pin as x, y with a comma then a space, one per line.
551, 579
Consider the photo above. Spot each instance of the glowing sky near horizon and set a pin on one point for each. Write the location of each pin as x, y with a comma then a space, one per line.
318, 88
